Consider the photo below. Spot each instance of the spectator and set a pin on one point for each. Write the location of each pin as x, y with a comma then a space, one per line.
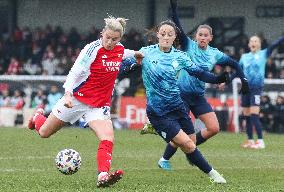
266, 113
64, 65
31, 69
39, 99
281, 75
17, 100
5, 98
14, 67
50, 63
52, 98
278, 115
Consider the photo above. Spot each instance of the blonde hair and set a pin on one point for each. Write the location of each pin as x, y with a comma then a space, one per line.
115, 24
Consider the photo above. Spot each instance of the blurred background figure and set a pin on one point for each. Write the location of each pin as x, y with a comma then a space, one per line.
53, 96
39, 99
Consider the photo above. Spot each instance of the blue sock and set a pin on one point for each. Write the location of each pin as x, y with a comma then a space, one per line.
197, 159
256, 122
199, 138
169, 151
249, 127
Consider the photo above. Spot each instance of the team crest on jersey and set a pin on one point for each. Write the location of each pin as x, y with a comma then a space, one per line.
175, 63
119, 55
213, 60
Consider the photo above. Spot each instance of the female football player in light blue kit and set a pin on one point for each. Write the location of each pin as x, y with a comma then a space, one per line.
193, 89
165, 108
253, 64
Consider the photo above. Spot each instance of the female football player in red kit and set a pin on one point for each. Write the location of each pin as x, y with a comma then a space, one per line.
88, 90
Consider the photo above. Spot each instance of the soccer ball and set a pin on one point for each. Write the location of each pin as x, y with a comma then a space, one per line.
68, 161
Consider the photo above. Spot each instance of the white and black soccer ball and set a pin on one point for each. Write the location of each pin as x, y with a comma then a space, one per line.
68, 161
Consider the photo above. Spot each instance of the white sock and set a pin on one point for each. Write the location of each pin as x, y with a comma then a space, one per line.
211, 172
163, 159
251, 141
102, 174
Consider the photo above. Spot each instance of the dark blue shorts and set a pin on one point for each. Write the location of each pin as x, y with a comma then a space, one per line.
169, 125
198, 105
251, 99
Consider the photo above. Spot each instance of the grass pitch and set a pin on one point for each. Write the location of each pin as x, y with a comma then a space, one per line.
27, 163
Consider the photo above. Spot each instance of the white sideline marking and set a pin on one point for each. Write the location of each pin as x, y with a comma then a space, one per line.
26, 157
24, 170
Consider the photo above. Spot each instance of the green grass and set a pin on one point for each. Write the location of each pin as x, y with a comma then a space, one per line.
27, 163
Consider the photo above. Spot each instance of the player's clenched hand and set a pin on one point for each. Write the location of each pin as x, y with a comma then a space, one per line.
173, 4
68, 100
138, 56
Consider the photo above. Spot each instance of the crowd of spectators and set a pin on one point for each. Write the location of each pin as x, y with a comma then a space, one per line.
49, 51
15, 100
52, 51
271, 115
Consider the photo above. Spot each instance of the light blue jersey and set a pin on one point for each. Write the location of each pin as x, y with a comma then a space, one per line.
159, 71
253, 65
205, 59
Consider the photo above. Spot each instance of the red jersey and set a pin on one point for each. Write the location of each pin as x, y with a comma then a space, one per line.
92, 78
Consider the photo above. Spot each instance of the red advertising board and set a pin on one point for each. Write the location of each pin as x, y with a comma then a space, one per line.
133, 110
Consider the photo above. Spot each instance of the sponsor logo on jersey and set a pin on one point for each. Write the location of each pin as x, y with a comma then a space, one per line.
111, 65
104, 56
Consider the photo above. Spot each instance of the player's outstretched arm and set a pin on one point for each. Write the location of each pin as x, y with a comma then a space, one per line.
274, 45
228, 61
206, 76
181, 35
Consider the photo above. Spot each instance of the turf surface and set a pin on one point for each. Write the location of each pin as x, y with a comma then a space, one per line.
27, 163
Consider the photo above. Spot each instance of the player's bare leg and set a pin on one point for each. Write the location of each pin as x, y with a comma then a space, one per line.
50, 126
45, 126
212, 127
